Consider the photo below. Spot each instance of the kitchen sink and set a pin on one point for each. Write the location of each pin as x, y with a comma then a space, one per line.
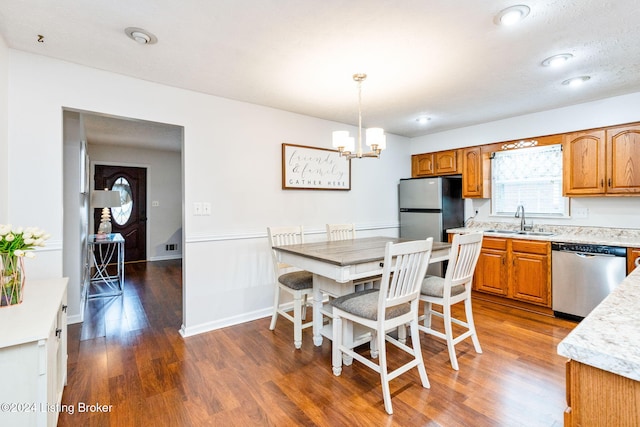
534, 233
521, 233
502, 231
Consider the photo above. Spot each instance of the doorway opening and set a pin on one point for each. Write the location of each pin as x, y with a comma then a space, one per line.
130, 219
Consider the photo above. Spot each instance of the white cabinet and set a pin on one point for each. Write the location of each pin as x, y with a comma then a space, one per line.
33, 355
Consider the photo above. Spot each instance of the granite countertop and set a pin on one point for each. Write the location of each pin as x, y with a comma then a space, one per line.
624, 237
609, 337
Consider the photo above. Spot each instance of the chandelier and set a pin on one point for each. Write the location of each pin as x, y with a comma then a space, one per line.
376, 138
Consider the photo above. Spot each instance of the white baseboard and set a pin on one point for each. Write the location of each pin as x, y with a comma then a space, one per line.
223, 323
165, 257
76, 318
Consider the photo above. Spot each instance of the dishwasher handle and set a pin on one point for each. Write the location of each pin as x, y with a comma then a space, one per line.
584, 255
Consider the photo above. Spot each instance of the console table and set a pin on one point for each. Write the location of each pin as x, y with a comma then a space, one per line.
105, 250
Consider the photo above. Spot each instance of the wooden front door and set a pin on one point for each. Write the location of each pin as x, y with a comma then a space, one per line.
131, 219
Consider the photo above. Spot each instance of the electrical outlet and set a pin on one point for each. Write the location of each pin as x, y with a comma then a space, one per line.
580, 213
155, 203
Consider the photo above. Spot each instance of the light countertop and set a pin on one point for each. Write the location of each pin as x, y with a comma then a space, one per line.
624, 237
32, 319
609, 337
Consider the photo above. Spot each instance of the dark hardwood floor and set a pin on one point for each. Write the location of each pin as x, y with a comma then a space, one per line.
129, 356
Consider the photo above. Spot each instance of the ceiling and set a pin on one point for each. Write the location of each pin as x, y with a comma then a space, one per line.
447, 60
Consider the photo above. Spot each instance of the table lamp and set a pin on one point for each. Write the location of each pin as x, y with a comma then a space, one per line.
105, 199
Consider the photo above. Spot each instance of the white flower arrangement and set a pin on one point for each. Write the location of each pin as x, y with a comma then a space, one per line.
20, 241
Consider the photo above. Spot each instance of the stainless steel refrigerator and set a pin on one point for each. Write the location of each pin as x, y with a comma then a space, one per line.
430, 206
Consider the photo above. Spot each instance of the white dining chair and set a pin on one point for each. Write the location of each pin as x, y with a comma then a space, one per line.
385, 309
455, 287
298, 283
347, 231
341, 232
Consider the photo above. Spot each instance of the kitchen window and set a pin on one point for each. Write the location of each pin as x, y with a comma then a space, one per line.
531, 177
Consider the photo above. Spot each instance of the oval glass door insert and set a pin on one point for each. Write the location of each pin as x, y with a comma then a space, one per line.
122, 214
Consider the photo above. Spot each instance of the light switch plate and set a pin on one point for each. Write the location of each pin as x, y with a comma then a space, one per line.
206, 208
197, 208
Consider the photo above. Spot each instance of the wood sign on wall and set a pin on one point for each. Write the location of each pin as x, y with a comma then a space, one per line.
312, 168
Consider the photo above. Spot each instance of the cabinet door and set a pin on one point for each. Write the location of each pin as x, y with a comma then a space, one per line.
472, 173
632, 255
446, 162
623, 160
531, 275
491, 273
584, 163
423, 165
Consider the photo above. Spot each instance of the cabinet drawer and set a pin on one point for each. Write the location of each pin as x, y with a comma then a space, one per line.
530, 246
494, 243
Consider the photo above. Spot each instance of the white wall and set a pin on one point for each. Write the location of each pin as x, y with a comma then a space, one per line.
164, 185
602, 211
231, 158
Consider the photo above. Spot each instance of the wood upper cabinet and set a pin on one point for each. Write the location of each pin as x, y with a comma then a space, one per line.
492, 272
475, 174
602, 162
423, 165
530, 272
623, 159
447, 162
516, 269
435, 164
584, 163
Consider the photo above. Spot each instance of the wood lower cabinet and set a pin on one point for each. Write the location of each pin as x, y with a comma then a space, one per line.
492, 272
632, 255
531, 272
515, 269
600, 398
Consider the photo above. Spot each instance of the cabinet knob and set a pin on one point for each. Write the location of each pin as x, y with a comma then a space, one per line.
609, 182
602, 183
58, 332
64, 308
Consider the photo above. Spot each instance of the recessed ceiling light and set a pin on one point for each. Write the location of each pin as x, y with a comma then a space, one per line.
557, 60
140, 36
576, 81
512, 15
423, 119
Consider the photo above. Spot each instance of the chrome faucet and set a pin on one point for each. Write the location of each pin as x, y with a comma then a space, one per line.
520, 214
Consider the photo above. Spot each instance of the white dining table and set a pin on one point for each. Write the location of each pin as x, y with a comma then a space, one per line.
336, 264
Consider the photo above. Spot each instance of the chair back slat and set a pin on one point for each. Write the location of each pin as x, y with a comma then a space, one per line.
280, 236
341, 232
405, 265
465, 251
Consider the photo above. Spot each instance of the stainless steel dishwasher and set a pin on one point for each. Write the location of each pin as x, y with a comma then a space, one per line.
583, 275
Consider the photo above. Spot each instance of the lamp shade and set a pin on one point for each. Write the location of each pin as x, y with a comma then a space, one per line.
376, 136
105, 199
